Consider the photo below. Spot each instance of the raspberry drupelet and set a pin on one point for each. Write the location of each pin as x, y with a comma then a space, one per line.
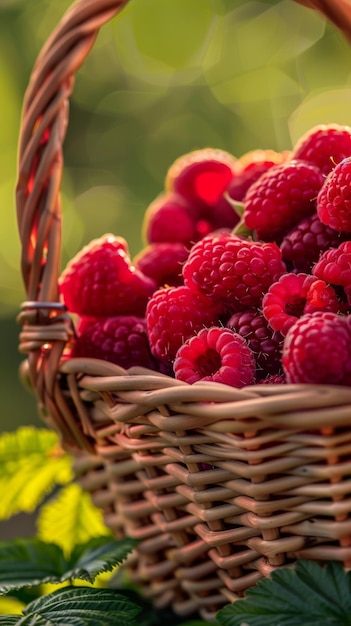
218, 355
233, 272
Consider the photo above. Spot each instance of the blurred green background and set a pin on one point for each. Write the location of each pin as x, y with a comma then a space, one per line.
164, 77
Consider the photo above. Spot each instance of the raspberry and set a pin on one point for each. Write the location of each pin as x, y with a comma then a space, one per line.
324, 145
202, 177
317, 350
334, 198
253, 164
218, 355
169, 219
303, 245
173, 315
232, 272
292, 296
334, 266
281, 198
163, 263
101, 281
265, 343
122, 340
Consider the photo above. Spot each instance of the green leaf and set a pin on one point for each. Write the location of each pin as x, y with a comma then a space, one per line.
28, 562
70, 519
31, 464
99, 555
308, 595
8, 620
80, 606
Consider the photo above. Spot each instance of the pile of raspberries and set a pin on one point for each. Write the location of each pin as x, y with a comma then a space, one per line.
246, 274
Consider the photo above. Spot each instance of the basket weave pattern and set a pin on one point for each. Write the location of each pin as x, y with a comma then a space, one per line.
220, 485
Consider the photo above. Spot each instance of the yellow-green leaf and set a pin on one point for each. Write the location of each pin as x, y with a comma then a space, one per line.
70, 519
31, 465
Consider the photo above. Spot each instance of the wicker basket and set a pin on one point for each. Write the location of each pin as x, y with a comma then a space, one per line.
278, 483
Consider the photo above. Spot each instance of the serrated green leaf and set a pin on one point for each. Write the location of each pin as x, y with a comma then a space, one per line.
99, 555
308, 595
80, 606
29, 562
70, 519
31, 464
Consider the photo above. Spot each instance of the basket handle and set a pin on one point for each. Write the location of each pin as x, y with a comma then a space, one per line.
42, 132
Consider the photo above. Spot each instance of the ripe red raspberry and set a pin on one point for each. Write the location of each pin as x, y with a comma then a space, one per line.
303, 245
281, 198
231, 271
252, 165
163, 263
101, 281
265, 343
292, 296
202, 177
334, 267
334, 198
317, 350
169, 219
218, 355
122, 340
324, 145
173, 315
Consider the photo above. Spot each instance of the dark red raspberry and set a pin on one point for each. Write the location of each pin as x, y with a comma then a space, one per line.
252, 165
292, 296
265, 343
281, 198
232, 272
334, 198
317, 350
303, 245
324, 145
122, 340
218, 355
334, 267
163, 263
169, 219
101, 281
173, 315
